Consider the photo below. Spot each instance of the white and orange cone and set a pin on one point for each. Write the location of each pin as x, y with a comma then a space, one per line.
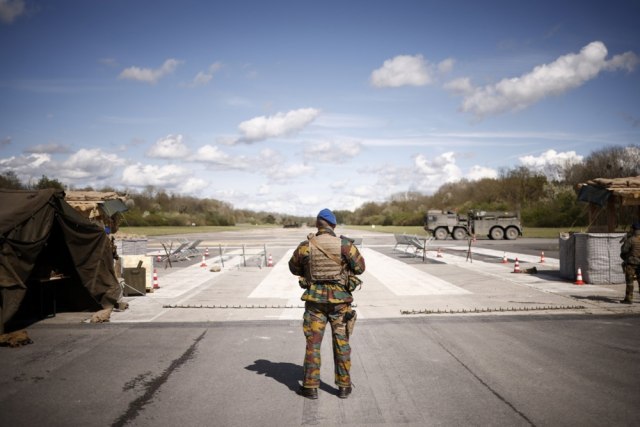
504, 258
270, 261
206, 252
155, 279
439, 254
516, 266
579, 280
542, 257
203, 263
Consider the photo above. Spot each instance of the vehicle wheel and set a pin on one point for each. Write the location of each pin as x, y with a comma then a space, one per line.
440, 233
511, 233
459, 234
497, 233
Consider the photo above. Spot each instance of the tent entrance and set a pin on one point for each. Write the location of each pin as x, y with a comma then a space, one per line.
53, 285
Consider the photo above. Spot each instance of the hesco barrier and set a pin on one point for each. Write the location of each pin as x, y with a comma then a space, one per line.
596, 254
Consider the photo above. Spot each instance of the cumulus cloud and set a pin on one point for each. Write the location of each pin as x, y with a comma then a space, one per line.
281, 124
169, 147
477, 173
551, 163
333, 152
10, 10
204, 77
165, 176
90, 163
150, 75
212, 155
432, 173
565, 73
407, 70
461, 86
33, 161
29, 167
193, 186
51, 148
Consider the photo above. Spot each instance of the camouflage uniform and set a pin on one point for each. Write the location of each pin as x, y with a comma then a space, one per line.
630, 253
326, 301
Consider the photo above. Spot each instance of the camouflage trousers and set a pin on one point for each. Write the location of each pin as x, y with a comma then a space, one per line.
316, 317
631, 273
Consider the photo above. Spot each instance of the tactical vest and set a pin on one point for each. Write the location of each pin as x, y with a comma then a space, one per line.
633, 256
322, 266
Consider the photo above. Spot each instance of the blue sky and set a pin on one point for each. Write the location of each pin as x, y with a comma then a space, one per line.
293, 106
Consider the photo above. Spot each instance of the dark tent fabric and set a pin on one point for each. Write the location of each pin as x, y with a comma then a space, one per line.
40, 231
596, 195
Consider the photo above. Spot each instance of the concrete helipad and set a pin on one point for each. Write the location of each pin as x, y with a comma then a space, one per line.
450, 280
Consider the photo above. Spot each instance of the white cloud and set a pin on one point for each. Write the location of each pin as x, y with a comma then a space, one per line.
90, 164
165, 176
551, 163
446, 66
11, 9
282, 124
24, 163
193, 186
461, 86
477, 173
169, 147
334, 152
149, 75
281, 173
403, 70
51, 148
213, 155
437, 171
204, 77
432, 173
565, 73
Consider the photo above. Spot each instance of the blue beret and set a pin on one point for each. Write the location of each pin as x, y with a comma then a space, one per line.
328, 216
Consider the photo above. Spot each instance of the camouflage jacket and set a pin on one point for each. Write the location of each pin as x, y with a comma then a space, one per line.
630, 250
326, 292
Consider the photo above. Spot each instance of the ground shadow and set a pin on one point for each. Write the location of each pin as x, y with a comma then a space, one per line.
288, 374
598, 298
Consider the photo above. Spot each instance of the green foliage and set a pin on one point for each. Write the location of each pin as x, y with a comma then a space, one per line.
10, 181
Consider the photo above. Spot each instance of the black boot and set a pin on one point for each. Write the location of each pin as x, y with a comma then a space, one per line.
309, 393
344, 392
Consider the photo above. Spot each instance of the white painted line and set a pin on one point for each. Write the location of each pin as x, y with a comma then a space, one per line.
403, 279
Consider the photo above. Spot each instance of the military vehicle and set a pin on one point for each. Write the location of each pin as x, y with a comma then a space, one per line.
495, 225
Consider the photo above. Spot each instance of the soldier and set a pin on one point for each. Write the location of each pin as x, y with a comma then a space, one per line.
326, 265
630, 253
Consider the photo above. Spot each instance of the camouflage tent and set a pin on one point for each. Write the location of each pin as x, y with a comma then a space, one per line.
43, 238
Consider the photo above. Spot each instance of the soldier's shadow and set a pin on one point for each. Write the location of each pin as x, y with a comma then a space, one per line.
285, 373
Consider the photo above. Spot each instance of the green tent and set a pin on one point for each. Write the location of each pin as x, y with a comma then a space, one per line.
51, 254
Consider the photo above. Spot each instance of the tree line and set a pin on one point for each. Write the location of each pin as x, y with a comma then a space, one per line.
544, 198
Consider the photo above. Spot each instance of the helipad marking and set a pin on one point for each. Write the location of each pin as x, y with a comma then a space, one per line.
279, 283
403, 279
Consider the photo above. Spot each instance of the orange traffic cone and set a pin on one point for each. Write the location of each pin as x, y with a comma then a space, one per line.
203, 263
504, 258
206, 252
516, 267
270, 261
579, 278
155, 279
439, 254
542, 257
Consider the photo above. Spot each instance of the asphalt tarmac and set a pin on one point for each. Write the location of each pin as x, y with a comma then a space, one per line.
456, 338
